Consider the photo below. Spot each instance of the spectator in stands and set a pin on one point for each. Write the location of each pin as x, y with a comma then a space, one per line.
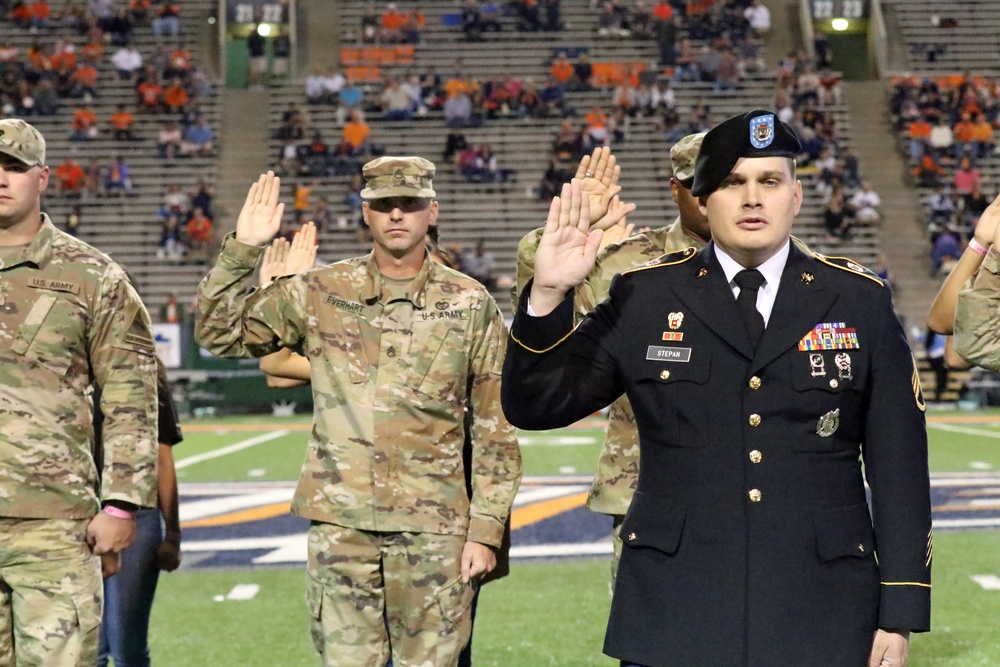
458, 110
686, 67
940, 138
202, 198
122, 121
84, 127
46, 99
355, 204
397, 104
975, 203
472, 21
168, 140
727, 75
830, 91
479, 265
289, 157
85, 81
759, 17
609, 23
596, 122
964, 134
942, 210
69, 178
294, 123
528, 16
583, 73
928, 171
281, 53
175, 96
369, 26
966, 177
301, 204
562, 69
316, 155
175, 202
557, 173
73, 220
93, 177
333, 83
945, 251
257, 55
982, 137
127, 62
170, 239
118, 177
199, 230
837, 218
553, 97
391, 25
119, 28
168, 19
454, 143
354, 137
665, 33
140, 11
413, 27
551, 13
199, 139
865, 203
150, 93
315, 93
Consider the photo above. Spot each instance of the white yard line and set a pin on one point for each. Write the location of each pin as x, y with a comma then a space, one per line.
230, 449
994, 433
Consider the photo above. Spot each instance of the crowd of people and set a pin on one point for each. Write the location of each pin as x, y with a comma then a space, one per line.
949, 129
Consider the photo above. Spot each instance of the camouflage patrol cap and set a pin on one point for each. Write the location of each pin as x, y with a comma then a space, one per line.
683, 156
22, 141
391, 176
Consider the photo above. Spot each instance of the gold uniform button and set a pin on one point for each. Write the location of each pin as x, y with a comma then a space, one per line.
664, 375
755, 495
834, 384
755, 382
754, 420
631, 536
861, 548
756, 456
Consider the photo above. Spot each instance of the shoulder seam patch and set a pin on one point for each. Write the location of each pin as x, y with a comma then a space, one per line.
688, 252
866, 273
550, 347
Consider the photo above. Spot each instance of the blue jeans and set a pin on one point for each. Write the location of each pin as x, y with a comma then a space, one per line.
128, 597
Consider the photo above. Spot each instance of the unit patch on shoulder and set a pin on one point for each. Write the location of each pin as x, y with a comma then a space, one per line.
849, 265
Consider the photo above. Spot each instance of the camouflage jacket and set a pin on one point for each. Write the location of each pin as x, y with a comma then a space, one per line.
977, 316
618, 467
392, 375
68, 319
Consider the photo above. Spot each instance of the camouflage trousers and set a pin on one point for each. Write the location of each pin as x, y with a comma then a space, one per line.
373, 595
51, 594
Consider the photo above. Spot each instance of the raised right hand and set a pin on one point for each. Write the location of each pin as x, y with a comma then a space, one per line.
567, 250
601, 185
302, 253
260, 218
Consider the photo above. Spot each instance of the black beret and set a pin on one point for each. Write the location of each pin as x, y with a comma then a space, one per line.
754, 134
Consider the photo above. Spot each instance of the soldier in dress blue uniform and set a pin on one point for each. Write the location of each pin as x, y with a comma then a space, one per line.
762, 379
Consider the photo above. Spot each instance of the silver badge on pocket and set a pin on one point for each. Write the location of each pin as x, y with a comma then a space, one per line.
843, 361
828, 423
817, 365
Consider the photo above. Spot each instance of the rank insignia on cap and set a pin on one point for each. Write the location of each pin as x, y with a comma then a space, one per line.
830, 336
762, 131
675, 320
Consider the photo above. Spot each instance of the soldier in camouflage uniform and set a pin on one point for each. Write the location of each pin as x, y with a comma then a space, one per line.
618, 467
398, 346
68, 317
977, 312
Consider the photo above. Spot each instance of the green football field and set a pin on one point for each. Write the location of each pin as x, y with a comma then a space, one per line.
544, 613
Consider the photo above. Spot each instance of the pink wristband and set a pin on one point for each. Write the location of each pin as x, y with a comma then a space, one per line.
978, 247
116, 512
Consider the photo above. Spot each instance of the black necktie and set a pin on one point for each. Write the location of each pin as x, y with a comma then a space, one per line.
749, 281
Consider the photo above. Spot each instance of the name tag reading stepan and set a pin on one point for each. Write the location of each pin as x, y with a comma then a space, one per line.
659, 353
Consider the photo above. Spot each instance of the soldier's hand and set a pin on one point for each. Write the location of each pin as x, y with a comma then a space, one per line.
302, 252
260, 217
615, 224
598, 175
890, 649
110, 564
477, 559
274, 263
567, 250
168, 556
109, 535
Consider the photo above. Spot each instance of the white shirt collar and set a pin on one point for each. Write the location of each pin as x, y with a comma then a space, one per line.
771, 269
